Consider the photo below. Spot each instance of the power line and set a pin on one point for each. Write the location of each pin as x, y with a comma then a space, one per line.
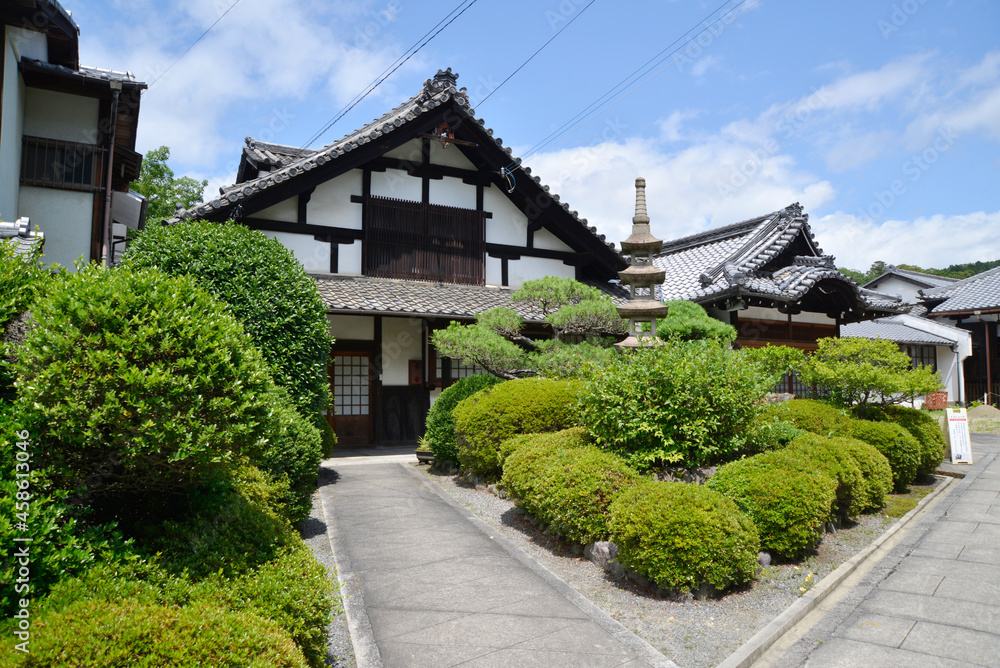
399, 63
579, 14
593, 110
201, 37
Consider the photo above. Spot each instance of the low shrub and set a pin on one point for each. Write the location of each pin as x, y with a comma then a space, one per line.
684, 402
768, 433
491, 416
327, 434
440, 425
925, 429
899, 447
875, 471
839, 463
293, 451
790, 506
125, 633
573, 437
567, 488
682, 535
812, 415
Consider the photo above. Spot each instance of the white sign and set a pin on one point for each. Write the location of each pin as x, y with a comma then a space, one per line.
958, 435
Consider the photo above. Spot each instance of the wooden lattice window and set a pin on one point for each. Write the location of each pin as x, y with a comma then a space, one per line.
429, 242
53, 163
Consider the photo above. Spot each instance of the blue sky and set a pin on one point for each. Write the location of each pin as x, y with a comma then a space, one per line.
881, 118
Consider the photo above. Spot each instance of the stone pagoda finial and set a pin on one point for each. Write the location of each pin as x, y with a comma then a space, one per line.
641, 278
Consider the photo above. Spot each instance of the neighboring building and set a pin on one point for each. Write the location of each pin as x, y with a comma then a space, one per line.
906, 284
973, 304
67, 135
415, 220
769, 279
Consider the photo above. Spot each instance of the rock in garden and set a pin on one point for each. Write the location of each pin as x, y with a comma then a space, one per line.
764, 559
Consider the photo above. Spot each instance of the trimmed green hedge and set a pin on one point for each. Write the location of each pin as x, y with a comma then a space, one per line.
875, 471
491, 416
566, 487
899, 447
681, 535
837, 462
926, 430
790, 505
440, 425
125, 633
811, 415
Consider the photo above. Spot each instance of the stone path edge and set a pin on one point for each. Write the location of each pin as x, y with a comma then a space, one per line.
752, 650
600, 617
366, 652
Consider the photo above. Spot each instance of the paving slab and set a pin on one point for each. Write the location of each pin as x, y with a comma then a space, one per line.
425, 583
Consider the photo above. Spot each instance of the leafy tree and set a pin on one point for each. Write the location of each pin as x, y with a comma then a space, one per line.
862, 373
157, 182
584, 321
688, 321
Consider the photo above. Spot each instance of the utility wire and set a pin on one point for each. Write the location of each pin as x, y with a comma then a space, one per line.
400, 62
201, 37
530, 58
594, 108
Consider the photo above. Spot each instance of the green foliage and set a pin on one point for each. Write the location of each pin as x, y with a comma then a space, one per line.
775, 361
24, 279
566, 438
489, 417
567, 488
592, 317
137, 382
859, 373
557, 359
875, 471
293, 451
839, 463
788, 502
327, 435
479, 345
688, 321
767, 433
683, 401
925, 429
125, 633
157, 182
899, 447
813, 415
959, 271
440, 425
265, 287
681, 536
551, 293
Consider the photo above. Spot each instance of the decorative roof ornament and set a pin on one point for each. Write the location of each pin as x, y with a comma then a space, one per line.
642, 278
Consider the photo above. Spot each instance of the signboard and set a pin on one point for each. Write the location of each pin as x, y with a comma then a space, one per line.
958, 436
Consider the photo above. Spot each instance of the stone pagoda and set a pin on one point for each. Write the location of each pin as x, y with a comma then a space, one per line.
641, 278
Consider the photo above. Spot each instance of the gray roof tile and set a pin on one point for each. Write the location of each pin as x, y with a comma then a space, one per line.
892, 331
978, 292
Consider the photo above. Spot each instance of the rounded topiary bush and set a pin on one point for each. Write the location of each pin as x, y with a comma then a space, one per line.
818, 417
682, 536
573, 437
491, 416
440, 425
925, 429
898, 445
820, 451
123, 633
267, 289
875, 471
567, 488
790, 506
135, 382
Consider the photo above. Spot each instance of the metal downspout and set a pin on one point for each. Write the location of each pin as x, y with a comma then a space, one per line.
107, 252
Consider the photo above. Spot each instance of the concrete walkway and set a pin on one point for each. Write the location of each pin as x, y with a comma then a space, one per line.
428, 584
934, 600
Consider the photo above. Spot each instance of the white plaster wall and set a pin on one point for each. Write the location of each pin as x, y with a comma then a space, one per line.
508, 225
331, 204
314, 255
760, 313
349, 258
353, 327
814, 318
29, 44
65, 216
529, 268
947, 364
60, 116
451, 156
494, 271
401, 342
434, 395
397, 184
892, 285
11, 120
287, 211
409, 151
548, 241
450, 191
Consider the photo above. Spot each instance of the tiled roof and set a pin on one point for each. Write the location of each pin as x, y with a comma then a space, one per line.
892, 331
385, 296
731, 261
94, 74
978, 292
265, 154
434, 93
915, 277
25, 241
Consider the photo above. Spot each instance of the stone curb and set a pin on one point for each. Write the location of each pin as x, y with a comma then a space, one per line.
655, 658
793, 614
366, 652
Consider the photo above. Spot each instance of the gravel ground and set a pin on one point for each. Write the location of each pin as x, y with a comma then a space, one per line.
691, 633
